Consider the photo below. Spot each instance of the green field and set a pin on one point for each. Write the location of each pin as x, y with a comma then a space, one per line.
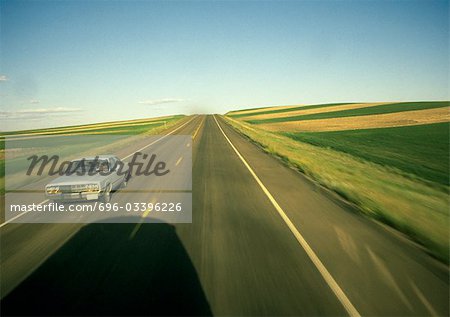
387, 108
421, 150
273, 111
129, 130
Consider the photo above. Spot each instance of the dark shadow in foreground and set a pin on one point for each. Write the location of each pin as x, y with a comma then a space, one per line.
105, 270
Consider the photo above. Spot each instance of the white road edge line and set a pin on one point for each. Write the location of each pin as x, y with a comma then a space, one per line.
20, 215
351, 310
123, 158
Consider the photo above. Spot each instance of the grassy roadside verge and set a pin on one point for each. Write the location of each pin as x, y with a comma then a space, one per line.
402, 201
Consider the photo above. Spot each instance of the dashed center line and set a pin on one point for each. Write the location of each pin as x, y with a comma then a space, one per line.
196, 131
139, 224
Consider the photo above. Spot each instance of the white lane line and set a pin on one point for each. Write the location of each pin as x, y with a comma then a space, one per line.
179, 160
351, 310
123, 158
20, 215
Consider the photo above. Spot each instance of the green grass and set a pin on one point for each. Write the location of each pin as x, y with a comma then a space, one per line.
394, 196
422, 150
373, 110
230, 114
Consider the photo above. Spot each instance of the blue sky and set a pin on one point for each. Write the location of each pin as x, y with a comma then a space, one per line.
69, 62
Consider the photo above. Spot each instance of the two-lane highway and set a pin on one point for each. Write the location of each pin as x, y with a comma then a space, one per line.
264, 240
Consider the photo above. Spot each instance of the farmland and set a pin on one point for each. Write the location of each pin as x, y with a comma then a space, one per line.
131, 127
362, 111
279, 109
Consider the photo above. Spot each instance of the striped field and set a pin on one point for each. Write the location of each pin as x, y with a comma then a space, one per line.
299, 111
384, 120
117, 127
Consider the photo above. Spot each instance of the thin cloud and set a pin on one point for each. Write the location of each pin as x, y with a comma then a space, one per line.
34, 101
160, 101
49, 110
3, 78
39, 112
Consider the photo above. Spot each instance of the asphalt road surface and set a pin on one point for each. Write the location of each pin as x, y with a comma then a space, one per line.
264, 240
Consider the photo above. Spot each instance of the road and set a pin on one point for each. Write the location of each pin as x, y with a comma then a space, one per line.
264, 240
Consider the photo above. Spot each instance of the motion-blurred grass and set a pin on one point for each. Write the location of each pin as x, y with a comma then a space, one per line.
394, 196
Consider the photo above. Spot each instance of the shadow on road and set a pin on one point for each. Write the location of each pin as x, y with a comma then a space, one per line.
105, 270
